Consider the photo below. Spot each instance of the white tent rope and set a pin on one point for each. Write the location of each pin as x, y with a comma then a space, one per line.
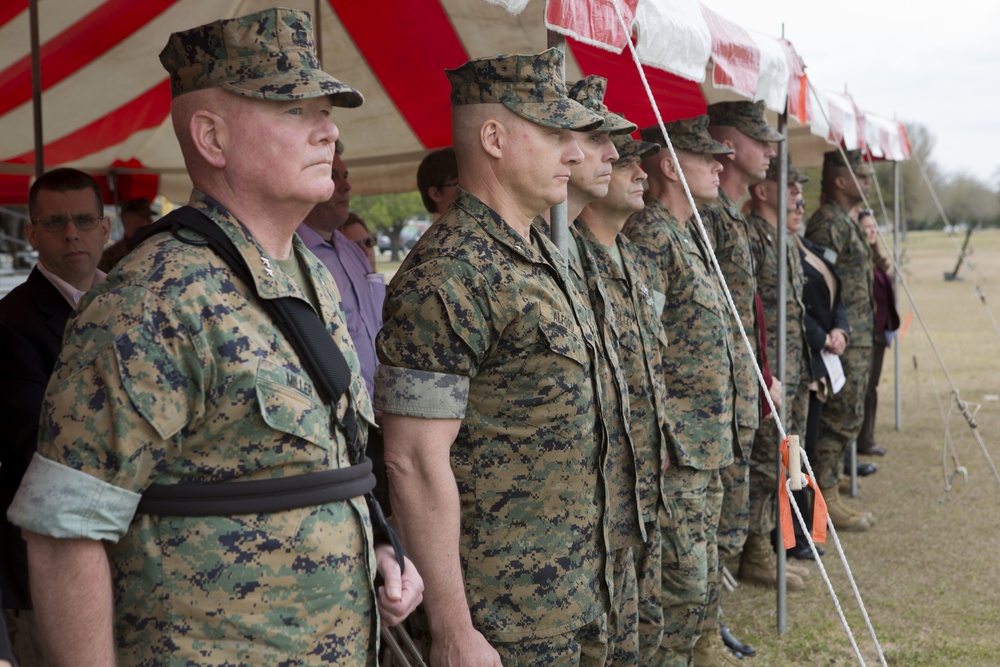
976, 276
962, 405
948, 444
826, 577
700, 225
749, 347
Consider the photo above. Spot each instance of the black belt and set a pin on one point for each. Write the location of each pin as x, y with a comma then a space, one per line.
258, 496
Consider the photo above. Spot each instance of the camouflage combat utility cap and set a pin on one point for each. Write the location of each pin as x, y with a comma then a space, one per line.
589, 91
689, 134
628, 147
747, 117
269, 55
531, 86
854, 161
774, 171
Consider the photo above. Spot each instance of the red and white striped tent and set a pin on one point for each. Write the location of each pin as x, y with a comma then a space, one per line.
105, 97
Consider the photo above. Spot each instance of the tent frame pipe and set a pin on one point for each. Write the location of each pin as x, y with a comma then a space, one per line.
897, 195
558, 222
36, 88
781, 347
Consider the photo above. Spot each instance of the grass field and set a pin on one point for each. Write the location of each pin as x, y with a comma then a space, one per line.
928, 572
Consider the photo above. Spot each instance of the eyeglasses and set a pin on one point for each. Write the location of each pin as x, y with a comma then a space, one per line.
865, 211
366, 243
57, 223
800, 205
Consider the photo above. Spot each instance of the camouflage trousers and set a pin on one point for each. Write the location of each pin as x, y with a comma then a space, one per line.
843, 415
649, 575
764, 459
586, 646
735, 499
623, 619
733, 520
688, 527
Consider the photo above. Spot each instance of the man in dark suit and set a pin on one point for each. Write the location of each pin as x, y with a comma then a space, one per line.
68, 229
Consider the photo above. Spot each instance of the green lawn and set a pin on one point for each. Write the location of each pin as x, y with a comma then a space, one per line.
928, 572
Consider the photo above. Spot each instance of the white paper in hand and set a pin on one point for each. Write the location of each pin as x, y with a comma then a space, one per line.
835, 369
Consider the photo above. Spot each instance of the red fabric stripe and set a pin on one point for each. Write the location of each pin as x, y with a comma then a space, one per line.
11, 8
14, 189
677, 98
77, 46
421, 31
736, 58
144, 112
594, 21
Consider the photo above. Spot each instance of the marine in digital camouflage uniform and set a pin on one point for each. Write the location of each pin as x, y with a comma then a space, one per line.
623, 521
173, 373
698, 381
763, 480
740, 125
640, 344
832, 227
487, 386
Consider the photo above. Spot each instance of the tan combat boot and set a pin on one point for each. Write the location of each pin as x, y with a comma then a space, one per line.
759, 565
709, 651
843, 518
845, 492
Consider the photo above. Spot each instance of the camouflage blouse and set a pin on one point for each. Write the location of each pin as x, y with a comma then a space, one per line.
764, 249
485, 326
171, 373
698, 364
728, 231
640, 343
831, 227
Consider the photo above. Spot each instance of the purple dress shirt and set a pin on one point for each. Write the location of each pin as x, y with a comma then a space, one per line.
362, 292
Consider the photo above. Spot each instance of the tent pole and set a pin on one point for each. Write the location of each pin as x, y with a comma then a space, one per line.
558, 224
36, 88
318, 29
782, 343
897, 208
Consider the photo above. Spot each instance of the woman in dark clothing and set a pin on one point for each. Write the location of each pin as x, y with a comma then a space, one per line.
826, 330
886, 324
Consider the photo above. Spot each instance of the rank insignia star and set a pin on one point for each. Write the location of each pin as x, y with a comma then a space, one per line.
647, 297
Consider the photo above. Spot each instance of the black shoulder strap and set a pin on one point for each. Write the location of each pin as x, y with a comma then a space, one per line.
320, 356
309, 337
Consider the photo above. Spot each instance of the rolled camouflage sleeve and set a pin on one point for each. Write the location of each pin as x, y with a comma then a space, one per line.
414, 393
437, 332
125, 383
58, 501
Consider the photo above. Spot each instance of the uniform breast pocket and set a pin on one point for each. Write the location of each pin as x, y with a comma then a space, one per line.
555, 365
742, 260
286, 401
705, 294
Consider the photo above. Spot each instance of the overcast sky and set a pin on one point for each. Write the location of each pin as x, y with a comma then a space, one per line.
933, 63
